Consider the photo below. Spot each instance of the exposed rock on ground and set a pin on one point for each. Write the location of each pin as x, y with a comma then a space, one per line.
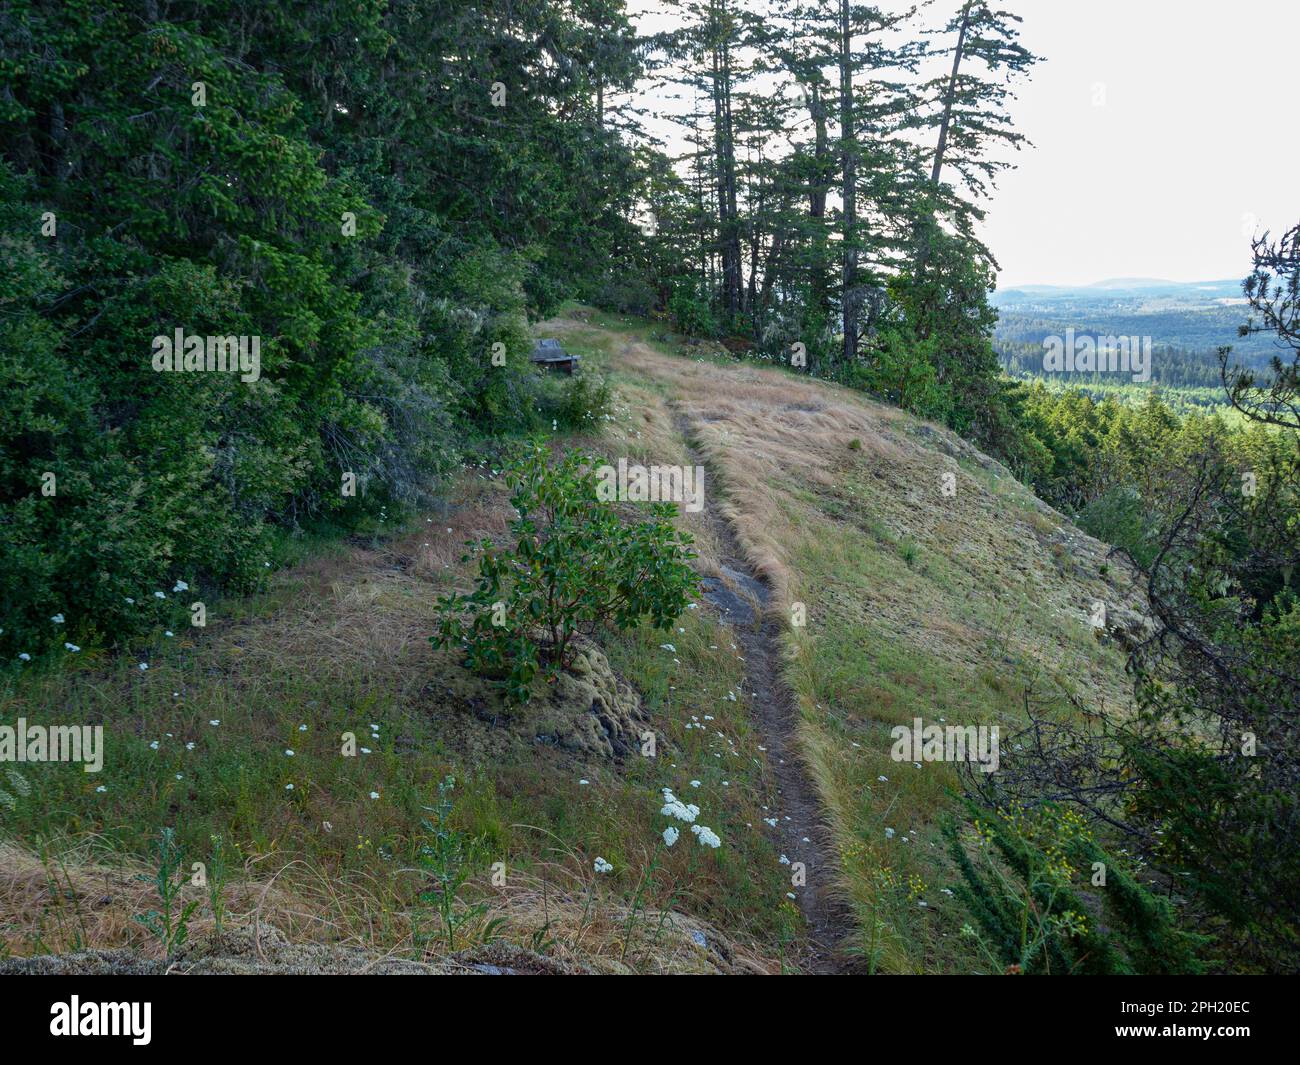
590, 710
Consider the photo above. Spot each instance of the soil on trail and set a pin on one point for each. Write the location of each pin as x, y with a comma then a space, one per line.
800, 829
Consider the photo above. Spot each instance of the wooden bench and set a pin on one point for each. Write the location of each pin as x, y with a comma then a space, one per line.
549, 355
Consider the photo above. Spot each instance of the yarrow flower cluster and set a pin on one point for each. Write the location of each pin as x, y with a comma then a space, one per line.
674, 807
603, 866
688, 812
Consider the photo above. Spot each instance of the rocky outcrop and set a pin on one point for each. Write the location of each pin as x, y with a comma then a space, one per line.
590, 710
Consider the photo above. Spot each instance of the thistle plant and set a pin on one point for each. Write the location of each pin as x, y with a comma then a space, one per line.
216, 885
170, 924
447, 856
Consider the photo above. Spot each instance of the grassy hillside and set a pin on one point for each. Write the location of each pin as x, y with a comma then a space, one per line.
918, 604
920, 601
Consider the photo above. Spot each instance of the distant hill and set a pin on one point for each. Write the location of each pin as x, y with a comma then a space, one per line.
1112, 288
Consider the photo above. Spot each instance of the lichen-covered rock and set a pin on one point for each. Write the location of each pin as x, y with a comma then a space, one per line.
1127, 628
589, 709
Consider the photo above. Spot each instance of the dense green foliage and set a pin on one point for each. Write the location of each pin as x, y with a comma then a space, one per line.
374, 198
1105, 461
1201, 780
574, 566
1046, 898
364, 204
337, 182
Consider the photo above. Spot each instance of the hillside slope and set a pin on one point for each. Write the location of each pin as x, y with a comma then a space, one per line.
933, 584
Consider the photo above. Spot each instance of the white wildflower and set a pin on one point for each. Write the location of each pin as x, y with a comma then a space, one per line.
674, 807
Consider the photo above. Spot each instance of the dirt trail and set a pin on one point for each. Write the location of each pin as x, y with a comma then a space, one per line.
800, 830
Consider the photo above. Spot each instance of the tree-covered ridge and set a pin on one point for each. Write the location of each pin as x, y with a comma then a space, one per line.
837, 160
377, 192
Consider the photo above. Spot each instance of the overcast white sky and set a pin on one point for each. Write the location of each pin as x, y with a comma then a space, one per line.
1192, 145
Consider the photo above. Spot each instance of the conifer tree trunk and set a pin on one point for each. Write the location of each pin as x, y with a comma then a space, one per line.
819, 283
848, 154
949, 100
950, 96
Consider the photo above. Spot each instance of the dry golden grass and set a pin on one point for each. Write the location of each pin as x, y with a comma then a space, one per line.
86, 898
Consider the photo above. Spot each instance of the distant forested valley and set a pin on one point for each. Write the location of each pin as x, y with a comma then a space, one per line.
1187, 323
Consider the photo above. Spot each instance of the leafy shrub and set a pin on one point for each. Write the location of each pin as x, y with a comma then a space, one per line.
1024, 876
1221, 805
1119, 516
625, 293
805, 323
690, 308
574, 565
578, 402
901, 370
